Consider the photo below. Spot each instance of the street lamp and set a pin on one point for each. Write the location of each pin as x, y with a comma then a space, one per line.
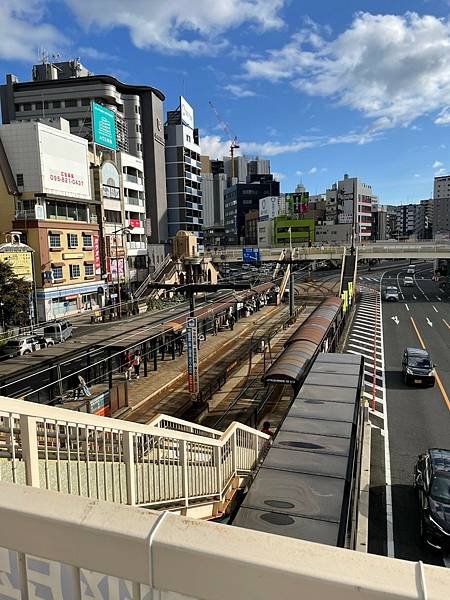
126, 231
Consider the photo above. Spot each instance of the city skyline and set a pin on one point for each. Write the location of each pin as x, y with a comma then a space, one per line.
261, 61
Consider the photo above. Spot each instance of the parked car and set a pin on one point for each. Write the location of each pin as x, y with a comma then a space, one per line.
408, 281
59, 331
432, 482
411, 270
391, 294
45, 341
20, 346
417, 367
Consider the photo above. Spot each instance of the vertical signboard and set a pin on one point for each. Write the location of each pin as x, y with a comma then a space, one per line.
104, 126
187, 113
192, 355
97, 262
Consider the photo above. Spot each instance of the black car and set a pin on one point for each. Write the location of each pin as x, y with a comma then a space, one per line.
417, 367
432, 481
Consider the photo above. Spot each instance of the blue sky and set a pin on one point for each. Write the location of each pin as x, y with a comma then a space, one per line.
320, 88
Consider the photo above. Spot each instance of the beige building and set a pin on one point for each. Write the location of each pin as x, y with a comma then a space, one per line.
45, 193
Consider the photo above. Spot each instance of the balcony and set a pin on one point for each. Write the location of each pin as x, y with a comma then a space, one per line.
133, 179
137, 245
134, 201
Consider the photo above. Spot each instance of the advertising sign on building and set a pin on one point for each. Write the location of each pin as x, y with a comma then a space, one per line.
271, 207
97, 261
104, 126
192, 355
187, 113
111, 265
20, 262
251, 255
135, 223
64, 164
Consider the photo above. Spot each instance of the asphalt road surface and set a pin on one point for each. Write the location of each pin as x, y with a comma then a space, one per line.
417, 418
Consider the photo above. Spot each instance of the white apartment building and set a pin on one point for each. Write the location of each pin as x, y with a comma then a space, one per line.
133, 180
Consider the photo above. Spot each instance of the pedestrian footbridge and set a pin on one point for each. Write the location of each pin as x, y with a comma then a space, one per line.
66, 533
168, 464
377, 250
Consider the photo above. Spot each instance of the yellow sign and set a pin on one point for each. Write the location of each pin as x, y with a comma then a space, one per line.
20, 262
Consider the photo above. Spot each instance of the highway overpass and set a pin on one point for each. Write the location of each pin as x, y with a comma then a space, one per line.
414, 250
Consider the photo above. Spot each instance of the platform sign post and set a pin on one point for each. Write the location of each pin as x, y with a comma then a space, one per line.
192, 356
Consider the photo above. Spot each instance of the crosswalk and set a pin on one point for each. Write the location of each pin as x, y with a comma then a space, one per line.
366, 338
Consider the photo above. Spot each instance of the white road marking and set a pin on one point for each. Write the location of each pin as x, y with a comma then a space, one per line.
435, 309
415, 297
396, 320
429, 322
407, 307
440, 299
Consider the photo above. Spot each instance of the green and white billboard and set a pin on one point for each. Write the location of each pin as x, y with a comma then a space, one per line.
104, 126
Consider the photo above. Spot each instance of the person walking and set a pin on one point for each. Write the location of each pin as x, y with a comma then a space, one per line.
137, 364
231, 321
128, 364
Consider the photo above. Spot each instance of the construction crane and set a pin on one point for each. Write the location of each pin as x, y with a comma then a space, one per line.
233, 139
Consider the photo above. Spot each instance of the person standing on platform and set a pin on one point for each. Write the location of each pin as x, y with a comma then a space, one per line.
137, 364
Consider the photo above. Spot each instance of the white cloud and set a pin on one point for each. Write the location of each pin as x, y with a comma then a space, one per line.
443, 146
175, 25
214, 146
391, 68
312, 171
440, 172
239, 91
437, 164
299, 173
279, 176
94, 54
22, 30
416, 175
324, 169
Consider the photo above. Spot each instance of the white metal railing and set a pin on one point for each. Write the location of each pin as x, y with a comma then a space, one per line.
124, 552
119, 461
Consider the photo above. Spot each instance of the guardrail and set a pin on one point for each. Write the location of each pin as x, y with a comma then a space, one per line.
122, 552
108, 459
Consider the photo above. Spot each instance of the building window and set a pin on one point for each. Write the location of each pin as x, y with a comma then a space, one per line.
19, 179
55, 240
56, 104
73, 123
71, 103
85, 102
26, 106
88, 270
72, 240
87, 241
57, 272
17, 107
74, 271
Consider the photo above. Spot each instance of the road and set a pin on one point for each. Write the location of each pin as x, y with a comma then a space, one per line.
417, 418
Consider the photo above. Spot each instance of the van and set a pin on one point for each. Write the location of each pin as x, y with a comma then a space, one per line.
391, 294
417, 367
59, 331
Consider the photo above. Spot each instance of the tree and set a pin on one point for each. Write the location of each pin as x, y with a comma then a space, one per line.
15, 294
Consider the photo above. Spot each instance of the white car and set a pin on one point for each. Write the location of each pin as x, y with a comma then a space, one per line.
391, 294
408, 281
21, 346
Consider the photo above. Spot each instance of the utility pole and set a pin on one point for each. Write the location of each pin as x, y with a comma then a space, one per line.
291, 277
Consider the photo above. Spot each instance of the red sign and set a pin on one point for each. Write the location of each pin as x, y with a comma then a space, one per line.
97, 263
135, 223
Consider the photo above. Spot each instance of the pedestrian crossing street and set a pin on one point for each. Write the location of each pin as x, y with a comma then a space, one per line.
366, 338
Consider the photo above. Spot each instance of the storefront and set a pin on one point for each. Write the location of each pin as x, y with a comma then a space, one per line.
69, 301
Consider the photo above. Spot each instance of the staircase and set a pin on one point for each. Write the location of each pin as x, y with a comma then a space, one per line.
348, 271
169, 464
160, 274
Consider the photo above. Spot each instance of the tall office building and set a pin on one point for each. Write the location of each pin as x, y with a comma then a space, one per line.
441, 207
424, 219
183, 170
242, 198
66, 89
244, 167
